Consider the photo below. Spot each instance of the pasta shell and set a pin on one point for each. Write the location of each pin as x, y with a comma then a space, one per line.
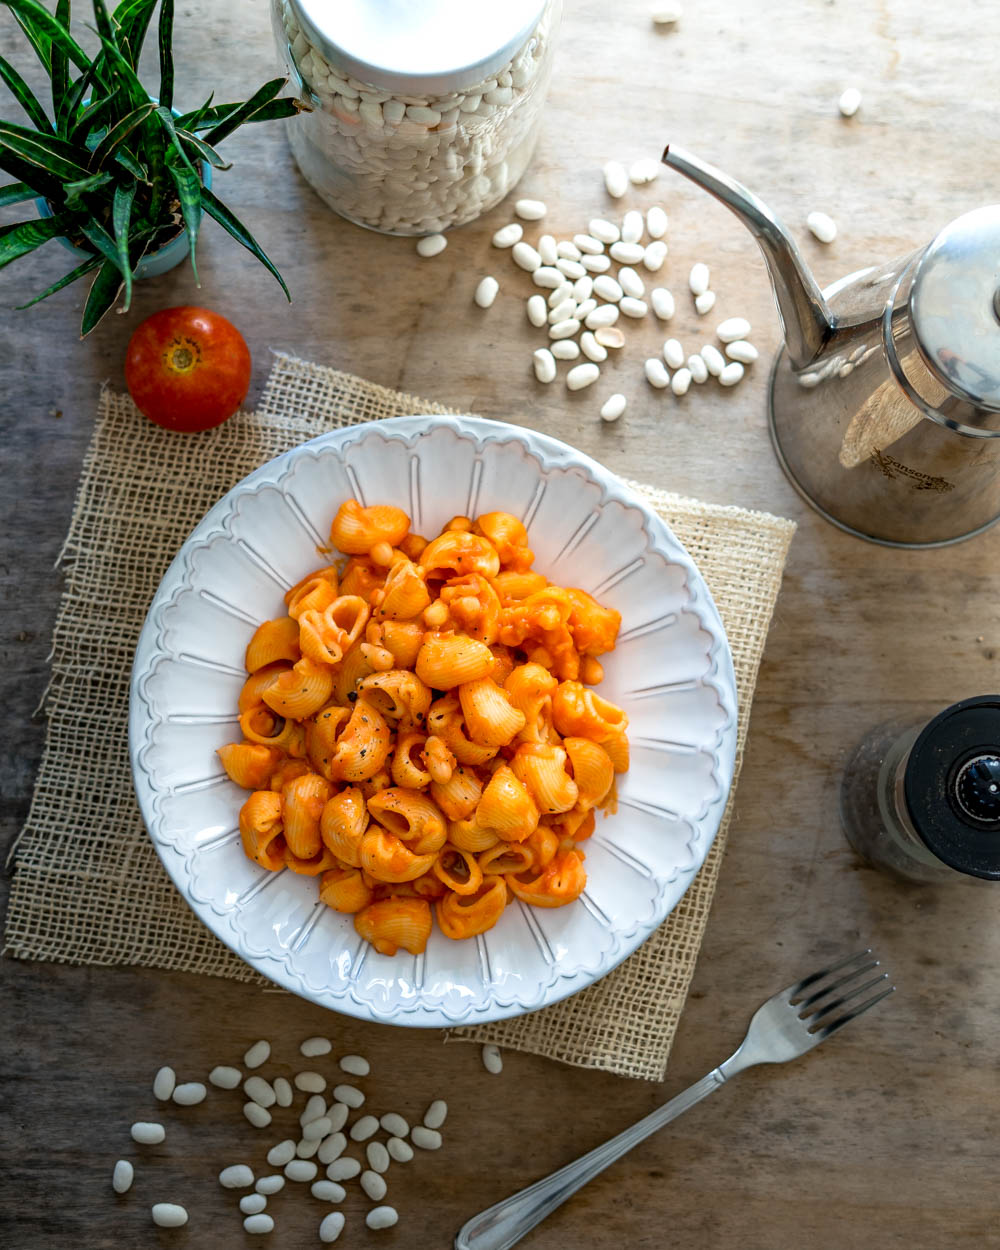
343, 824
409, 767
455, 553
541, 769
303, 800
301, 691
355, 530
344, 890
363, 746
411, 816
579, 712
404, 640
261, 830
405, 594
321, 737
273, 641
465, 915
458, 870
312, 594
257, 683
506, 857
319, 863
458, 796
593, 771
386, 858
559, 883
507, 807
467, 835
396, 922
263, 725
490, 718
401, 697
509, 537
512, 587
249, 764
447, 660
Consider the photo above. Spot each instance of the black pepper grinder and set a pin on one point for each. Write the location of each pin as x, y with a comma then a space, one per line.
922, 802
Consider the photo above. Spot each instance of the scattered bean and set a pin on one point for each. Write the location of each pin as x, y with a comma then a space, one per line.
378, 1156
593, 351
258, 1053
374, 1185
673, 353
609, 336
646, 170
631, 283
849, 102
337, 1115
704, 303
282, 1092
163, 1084
312, 1047
307, 1147
381, 1217
122, 1176
565, 349
259, 1091
331, 1148
680, 383
588, 244
310, 1082
259, 1224
564, 329
823, 227
431, 245
169, 1215
714, 360
663, 303
656, 373
147, 1134
314, 1109
508, 235
585, 309
548, 277
270, 1184
537, 310
627, 253
654, 256
731, 374
364, 1127
698, 369
343, 1169
596, 264
328, 1191
656, 222
547, 249
604, 231
632, 307
236, 1176
394, 1124
253, 1204
742, 351
530, 210
331, 1227
526, 257
615, 179
732, 328
189, 1094
225, 1078
571, 268
698, 279
564, 309
613, 407
281, 1154
583, 288
301, 1170
544, 364
560, 294
317, 1129
566, 250
486, 293
399, 1150
633, 226
577, 378
492, 1058
258, 1116
605, 287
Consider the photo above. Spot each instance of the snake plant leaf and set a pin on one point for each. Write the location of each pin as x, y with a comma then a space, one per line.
203, 150
189, 193
105, 28
166, 33
167, 122
21, 237
123, 74
132, 18
60, 62
43, 31
16, 193
66, 280
243, 112
89, 127
229, 222
25, 96
190, 121
42, 183
103, 293
68, 108
118, 135
102, 242
127, 161
205, 118
121, 214
50, 153
75, 191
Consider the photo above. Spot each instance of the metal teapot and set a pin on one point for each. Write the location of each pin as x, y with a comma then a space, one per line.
885, 399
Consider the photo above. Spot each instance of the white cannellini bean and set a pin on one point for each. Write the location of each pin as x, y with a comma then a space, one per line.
328, 1191
849, 102
560, 294
633, 226
714, 360
548, 277
122, 1176
236, 1176
270, 1184
627, 253
258, 1116
593, 351
547, 249
604, 231
316, 1130
666, 12
343, 1169
312, 1047
364, 1126
663, 302
374, 1185
585, 309
643, 171
147, 1133
537, 310
742, 351
654, 256
571, 268
253, 1204
613, 407
823, 226
615, 179
189, 1094
577, 378
564, 329
544, 364
673, 353
632, 307
530, 210
281, 1154
283, 1093
583, 288
605, 287
337, 1115
381, 1217
526, 257
631, 283
394, 1124
656, 373
399, 1150
259, 1091
698, 278
704, 303
732, 328
301, 1170
259, 1224
168, 1215
163, 1084
588, 245
609, 336
731, 374
656, 222
680, 383
566, 308
225, 1078
310, 1082
378, 1157
596, 264
508, 235
486, 292
436, 1113
331, 1227
258, 1053
565, 349
606, 315
567, 250
697, 368
307, 1147
431, 245
331, 1148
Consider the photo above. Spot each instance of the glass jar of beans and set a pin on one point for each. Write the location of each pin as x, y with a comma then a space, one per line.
424, 115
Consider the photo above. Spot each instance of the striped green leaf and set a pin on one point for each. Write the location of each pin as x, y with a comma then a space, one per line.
205, 117
202, 150
244, 112
79, 272
24, 96
189, 193
21, 237
60, 61
121, 217
119, 134
166, 34
229, 222
15, 193
103, 293
75, 191
54, 155
44, 31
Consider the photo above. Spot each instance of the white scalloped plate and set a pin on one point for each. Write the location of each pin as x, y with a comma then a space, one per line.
671, 671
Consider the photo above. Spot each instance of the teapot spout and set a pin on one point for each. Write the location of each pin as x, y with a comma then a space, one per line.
805, 316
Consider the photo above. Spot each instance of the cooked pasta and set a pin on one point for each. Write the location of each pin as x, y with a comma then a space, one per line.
419, 731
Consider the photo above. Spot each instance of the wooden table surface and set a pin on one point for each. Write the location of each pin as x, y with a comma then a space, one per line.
884, 1138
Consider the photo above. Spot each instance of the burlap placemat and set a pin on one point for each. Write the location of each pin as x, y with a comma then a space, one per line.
87, 885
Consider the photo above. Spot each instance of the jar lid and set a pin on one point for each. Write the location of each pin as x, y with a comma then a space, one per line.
418, 46
952, 786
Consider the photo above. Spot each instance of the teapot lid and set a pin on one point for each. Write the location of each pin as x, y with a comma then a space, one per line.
955, 306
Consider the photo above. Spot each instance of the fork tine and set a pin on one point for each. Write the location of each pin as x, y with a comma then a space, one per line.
835, 985
851, 996
825, 972
824, 1033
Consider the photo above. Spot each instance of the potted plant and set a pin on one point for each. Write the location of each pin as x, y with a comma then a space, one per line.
118, 173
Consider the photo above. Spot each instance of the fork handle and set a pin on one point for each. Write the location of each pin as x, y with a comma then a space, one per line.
505, 1223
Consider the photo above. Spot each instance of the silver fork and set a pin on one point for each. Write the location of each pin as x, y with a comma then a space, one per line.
786, 1026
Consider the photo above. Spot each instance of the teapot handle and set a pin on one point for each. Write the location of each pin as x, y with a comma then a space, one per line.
904, 383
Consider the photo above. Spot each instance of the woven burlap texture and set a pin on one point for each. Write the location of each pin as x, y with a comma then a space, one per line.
87, 885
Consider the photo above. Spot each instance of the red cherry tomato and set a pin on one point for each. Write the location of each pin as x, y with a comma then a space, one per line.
187, 368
